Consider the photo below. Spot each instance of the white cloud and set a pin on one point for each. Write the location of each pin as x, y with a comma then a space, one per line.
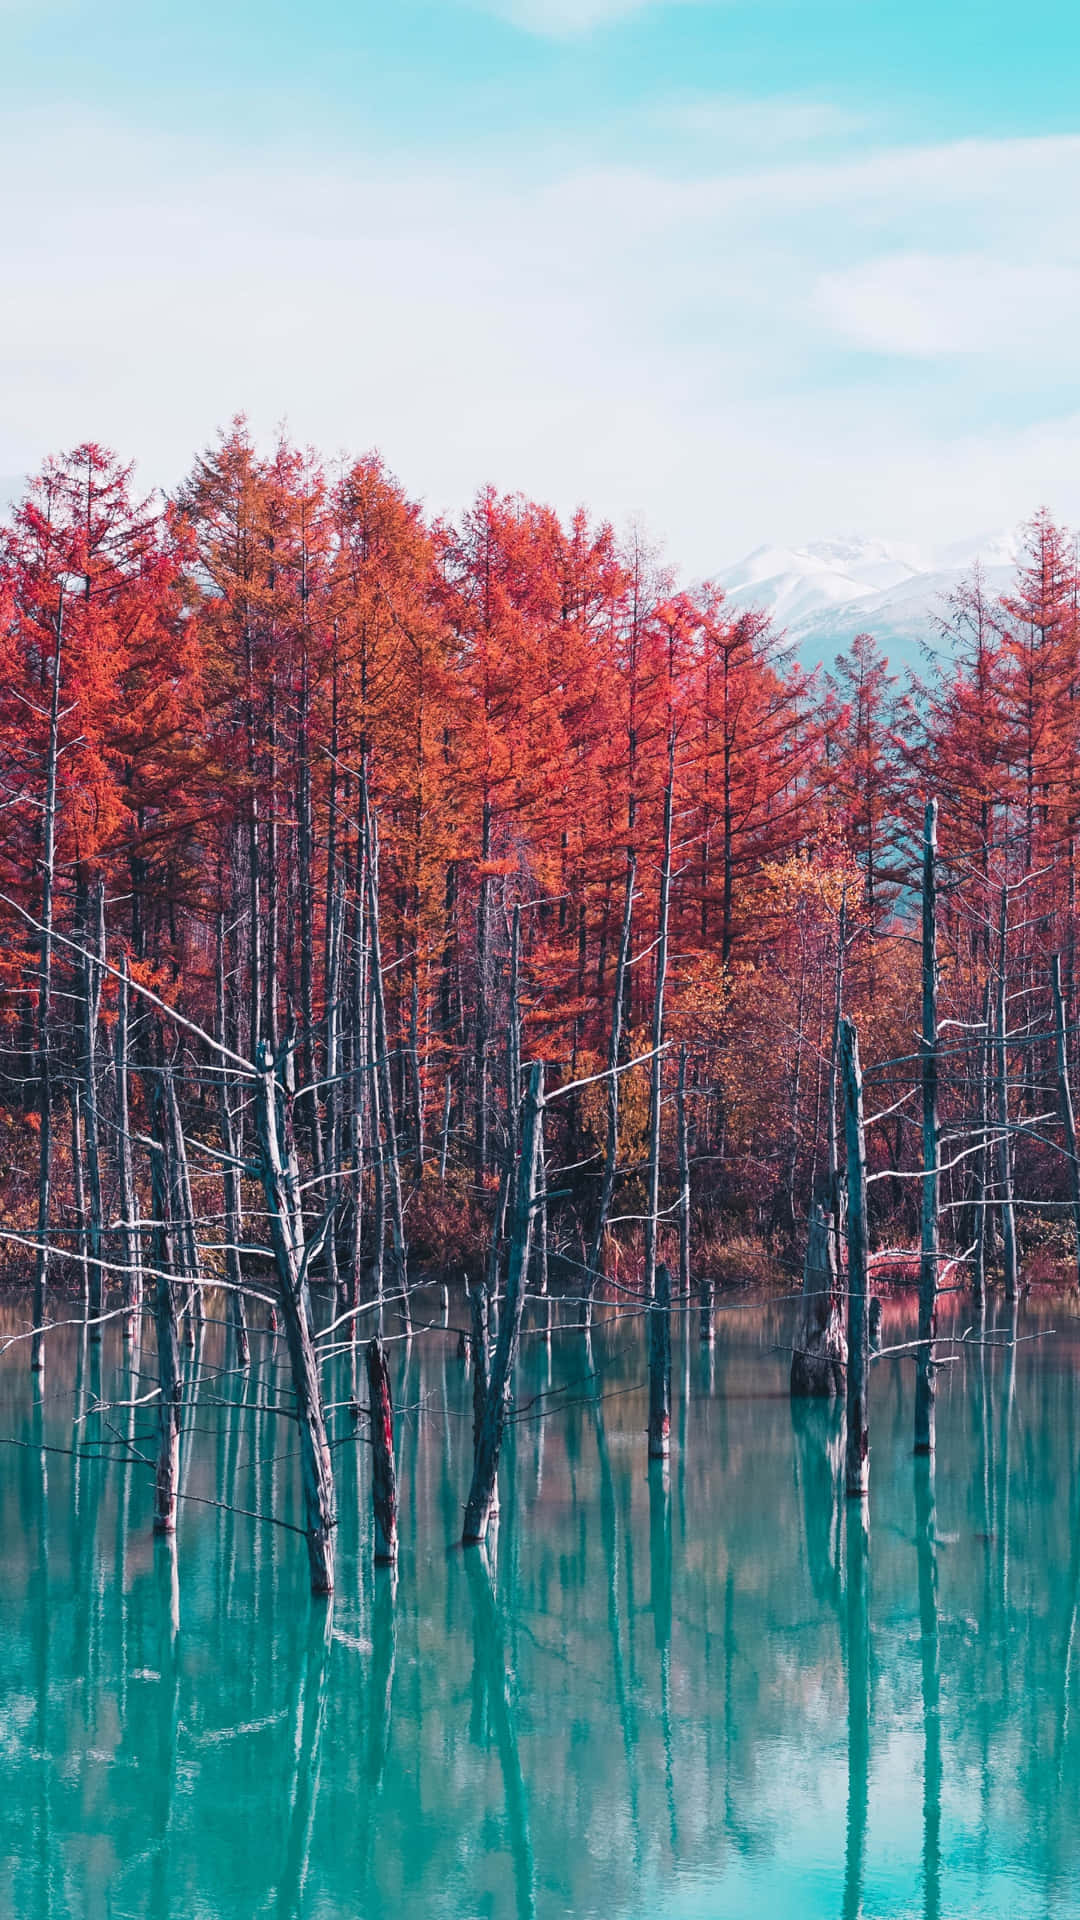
930, 304
672, 346
564, 19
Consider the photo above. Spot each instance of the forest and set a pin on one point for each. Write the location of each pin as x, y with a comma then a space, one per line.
389, 901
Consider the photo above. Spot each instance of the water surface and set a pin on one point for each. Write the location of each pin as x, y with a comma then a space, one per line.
705, 1692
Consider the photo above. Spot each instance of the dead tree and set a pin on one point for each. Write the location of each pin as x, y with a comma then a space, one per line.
611, 1147
658, 1315
383, 1475
857, 1465
124, 1161
684, 1180
819, 1361
486, 1462
91, 1013
231, 1176
291, 1258
44, 1006
657, 1066
1001, 1084
389, 1155
167, 1469
1065, 1099
928, 1045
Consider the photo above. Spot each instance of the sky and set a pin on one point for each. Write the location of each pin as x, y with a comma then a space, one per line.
747, 271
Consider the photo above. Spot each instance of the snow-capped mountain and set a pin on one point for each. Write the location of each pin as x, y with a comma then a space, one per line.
823, 594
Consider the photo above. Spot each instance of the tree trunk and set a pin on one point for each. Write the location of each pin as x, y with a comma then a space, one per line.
44, 1010
611, 1150
1008, 1215
383, 1475
857, 1470
167, 1470
818, 1365
659, 1331
656, 1065
928, 1262
282, 1200
234, 1301
486, 1463
125, 1167
1068, 1120
91, 1010
392, 1168
684, 1183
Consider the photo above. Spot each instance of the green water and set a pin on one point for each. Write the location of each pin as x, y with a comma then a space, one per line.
705, 1694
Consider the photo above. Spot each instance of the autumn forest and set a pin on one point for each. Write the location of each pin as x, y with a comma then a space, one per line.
430, 800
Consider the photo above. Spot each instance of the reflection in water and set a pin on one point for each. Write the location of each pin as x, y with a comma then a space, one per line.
679, 1692
858, 1713
931, 1689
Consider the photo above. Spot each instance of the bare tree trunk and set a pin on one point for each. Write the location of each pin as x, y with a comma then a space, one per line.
44, 1009
383, 1475
656, 1065
335, 917
78, 1188
392, 1167
231, 1181
481, 1034
167, 1470
684, 1182
818, 1364
928, 1262
91, 1010
978, 1269
857, 1473
658, 1316
444, 1143
486, 1462
183, 1211
1068, 1120
125, 1167
611, 1150
291, 1259
1008, 1216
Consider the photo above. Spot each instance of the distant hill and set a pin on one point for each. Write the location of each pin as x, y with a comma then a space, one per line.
823, 594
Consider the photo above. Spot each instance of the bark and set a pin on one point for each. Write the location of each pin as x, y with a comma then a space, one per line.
383, 1475
659, 1332
392, 1167
486, 1463
444, 1143
167, 1469
44, 1009
91, 1011
684, 1182
928, 1262
1068, 1119
1001, 1082
611, 1149
818, 1366
125, 1168
656, 1068
857, 1466
291, 1260
231, 1177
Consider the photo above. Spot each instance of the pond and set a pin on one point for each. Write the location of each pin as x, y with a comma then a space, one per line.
702, 1691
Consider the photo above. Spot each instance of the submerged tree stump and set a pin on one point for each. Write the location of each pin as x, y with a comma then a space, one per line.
818, 1365
383, 1474
659, 1325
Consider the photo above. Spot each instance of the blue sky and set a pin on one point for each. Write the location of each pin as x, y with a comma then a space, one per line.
752, 271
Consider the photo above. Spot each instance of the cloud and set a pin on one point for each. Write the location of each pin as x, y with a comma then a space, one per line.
680, 347
925, 305
567, 19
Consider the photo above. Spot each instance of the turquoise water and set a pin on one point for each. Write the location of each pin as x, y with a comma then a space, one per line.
705, 1693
